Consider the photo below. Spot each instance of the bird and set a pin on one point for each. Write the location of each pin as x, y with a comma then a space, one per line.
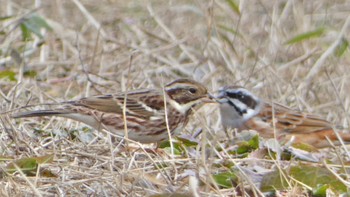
242, 110
149, 113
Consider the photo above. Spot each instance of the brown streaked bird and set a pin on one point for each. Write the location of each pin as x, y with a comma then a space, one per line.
242, 110
145, 110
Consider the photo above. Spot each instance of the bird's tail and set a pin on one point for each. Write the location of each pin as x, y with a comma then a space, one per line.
330, 134
345, 137
38, 113
319, 139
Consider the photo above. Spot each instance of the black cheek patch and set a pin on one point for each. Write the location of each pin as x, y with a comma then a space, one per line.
231, 95
171, 93
183, 96
246, 99
250, 102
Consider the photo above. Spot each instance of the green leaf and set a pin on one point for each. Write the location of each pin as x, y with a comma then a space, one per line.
320, 191
305, 147
178, 149
29, 165
186, 142
308, 35
164, 144
233, 5
273, 181
40, 22
243, 148
26, 35
285, 155
26, 165
246, 147
33, 24
313, 176
5, 18
30, 73
342, 47
8, 74
226, 179
254, 142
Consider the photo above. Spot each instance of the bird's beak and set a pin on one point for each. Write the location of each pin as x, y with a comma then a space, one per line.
220, 97
221, 94
208, 98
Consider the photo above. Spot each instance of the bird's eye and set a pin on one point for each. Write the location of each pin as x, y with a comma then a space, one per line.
236, 95
240, 95
192, 90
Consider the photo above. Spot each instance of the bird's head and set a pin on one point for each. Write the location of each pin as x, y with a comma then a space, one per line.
185, 93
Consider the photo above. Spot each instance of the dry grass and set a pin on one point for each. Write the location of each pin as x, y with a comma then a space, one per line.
94, 44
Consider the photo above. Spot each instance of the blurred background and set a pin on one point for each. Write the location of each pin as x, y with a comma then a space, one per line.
291, 51
294, 52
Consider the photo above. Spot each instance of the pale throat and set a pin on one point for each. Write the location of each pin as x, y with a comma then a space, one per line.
230, 117
182, 108
243, 110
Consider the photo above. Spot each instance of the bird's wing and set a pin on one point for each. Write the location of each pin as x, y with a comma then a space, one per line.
140, 103
289, 120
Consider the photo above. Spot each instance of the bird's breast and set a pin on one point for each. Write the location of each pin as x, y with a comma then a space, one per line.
230, 118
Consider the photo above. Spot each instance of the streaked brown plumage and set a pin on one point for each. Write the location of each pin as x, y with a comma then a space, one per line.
145, 110
241, 109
